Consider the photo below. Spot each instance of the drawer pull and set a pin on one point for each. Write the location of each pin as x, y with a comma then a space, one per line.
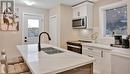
102, 54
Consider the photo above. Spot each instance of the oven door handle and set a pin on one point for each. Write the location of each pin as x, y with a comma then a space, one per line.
74, 46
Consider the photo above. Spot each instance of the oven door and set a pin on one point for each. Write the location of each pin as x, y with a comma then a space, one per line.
75, 48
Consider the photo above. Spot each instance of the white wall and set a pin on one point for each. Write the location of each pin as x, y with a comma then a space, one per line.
9, 40
65, 30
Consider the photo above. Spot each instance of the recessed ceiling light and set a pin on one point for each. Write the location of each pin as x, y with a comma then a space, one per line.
29, 3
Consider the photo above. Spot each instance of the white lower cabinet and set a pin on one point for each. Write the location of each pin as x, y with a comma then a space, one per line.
98, 65
102, 65
107, 62
120, 65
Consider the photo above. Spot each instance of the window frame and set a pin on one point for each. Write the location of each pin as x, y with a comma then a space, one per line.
102, 17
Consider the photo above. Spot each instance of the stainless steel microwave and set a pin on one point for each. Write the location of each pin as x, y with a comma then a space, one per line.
79, 23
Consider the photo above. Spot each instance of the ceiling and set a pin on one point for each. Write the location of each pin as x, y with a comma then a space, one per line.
49, 3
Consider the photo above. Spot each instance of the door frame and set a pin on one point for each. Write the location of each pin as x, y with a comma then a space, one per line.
35, 14
58, 29
54, 16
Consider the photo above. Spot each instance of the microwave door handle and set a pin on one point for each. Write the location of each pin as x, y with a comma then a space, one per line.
81, 22
86, 21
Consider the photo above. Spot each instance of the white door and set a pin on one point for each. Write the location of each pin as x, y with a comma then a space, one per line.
53, 30
32, 28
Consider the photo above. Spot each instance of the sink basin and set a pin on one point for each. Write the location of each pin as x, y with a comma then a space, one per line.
51, 50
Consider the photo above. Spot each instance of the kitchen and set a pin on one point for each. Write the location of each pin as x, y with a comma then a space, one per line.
58, 23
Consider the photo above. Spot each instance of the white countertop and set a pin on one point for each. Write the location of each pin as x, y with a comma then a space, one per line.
115, 50
97, 45
42, 63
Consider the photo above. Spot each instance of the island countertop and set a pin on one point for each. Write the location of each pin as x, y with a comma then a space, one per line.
42, 63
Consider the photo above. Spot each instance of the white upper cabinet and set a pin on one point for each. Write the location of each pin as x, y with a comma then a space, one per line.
82, 10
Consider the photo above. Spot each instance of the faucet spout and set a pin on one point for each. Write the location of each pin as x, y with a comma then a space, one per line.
39, 43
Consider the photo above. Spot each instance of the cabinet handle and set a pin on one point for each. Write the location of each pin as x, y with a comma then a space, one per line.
102, 54
78, 13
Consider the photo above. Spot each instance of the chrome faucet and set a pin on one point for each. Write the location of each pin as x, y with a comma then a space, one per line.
39, 43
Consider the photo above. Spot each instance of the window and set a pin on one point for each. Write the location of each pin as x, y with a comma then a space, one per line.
33, 27
113, 19
116, 21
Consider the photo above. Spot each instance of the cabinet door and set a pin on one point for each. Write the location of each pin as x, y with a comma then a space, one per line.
98, 65
83, 11
80, 10
119, 65
75, 11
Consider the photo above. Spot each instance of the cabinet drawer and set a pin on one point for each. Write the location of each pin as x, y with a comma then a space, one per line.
92, 51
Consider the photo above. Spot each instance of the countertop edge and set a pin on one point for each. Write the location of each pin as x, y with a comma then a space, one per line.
60, 70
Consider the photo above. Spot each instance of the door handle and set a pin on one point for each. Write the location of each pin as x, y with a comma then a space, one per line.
25, 39
102, 54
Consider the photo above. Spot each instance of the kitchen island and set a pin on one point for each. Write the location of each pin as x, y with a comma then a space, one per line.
66, 62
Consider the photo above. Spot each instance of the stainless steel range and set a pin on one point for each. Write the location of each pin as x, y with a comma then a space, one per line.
76, 46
